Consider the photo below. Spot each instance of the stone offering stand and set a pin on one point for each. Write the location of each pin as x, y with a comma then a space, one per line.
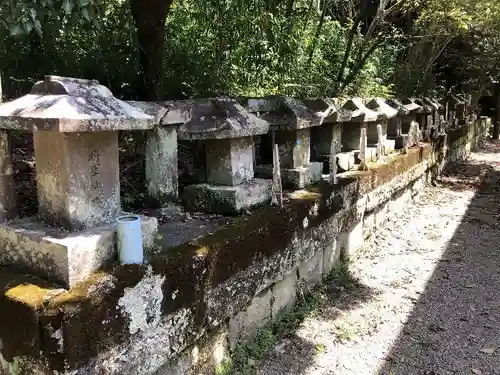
59, 271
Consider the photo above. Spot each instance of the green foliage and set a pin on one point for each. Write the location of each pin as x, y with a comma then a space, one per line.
26, 16
254, 48
212, 47
245, 357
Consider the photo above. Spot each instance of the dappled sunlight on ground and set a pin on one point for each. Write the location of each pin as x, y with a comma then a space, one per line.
433, 275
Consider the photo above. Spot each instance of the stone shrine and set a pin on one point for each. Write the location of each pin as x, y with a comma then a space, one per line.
386, 113
289, 123
328, 132
227, 131
356, 116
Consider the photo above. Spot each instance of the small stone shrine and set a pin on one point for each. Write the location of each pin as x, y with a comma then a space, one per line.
330, 131
455, 110
354, 117
290, 124
75, 125
227, 131
399, 126
386, 113
424, 117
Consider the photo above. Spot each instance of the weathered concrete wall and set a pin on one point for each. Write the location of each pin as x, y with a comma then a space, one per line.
191, 303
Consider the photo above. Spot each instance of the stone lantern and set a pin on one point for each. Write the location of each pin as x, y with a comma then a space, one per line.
330, 131
354, 117
75, 125
386, 113
290, 124
227, 131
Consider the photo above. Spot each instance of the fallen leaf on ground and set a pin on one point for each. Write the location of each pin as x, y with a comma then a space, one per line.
476, 371
488, 350
320, 348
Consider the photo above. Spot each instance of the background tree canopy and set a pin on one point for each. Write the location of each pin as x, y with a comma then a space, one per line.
159, 49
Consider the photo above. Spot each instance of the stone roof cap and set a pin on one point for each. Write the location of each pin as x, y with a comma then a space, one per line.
433, 103
179, 111
355, 111
283, 113
221, 118
64, 104
150, 108
325, 109
454, 99
426, 108
411, 105
400, 107
380, 106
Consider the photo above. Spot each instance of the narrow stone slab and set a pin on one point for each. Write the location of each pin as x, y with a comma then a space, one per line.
67, 258
63, 104
162, 176
161, 153
227, 199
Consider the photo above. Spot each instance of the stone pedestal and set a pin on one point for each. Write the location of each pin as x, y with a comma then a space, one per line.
8, 206
225, 199
294, 178
55, 254
77, 178
229, 161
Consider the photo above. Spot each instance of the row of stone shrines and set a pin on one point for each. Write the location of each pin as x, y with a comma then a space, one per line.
75, 125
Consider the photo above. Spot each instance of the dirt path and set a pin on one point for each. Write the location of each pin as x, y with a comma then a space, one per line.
424, 297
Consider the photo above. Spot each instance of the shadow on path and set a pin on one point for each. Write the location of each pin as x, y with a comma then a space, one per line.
294, 354
454, 327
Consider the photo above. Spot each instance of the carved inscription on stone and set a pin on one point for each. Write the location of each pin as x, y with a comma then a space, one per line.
95, 183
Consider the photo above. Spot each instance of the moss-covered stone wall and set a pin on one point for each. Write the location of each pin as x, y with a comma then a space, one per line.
139, 319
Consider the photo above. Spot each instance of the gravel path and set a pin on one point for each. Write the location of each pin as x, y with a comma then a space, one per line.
425, 291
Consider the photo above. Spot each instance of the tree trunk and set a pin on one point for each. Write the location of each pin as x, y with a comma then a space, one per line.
149, 17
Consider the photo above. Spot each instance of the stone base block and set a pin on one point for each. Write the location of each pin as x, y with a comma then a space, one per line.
227, 199
296, 178
345, 161
400, 141
371, 154
61, 256
390, 146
